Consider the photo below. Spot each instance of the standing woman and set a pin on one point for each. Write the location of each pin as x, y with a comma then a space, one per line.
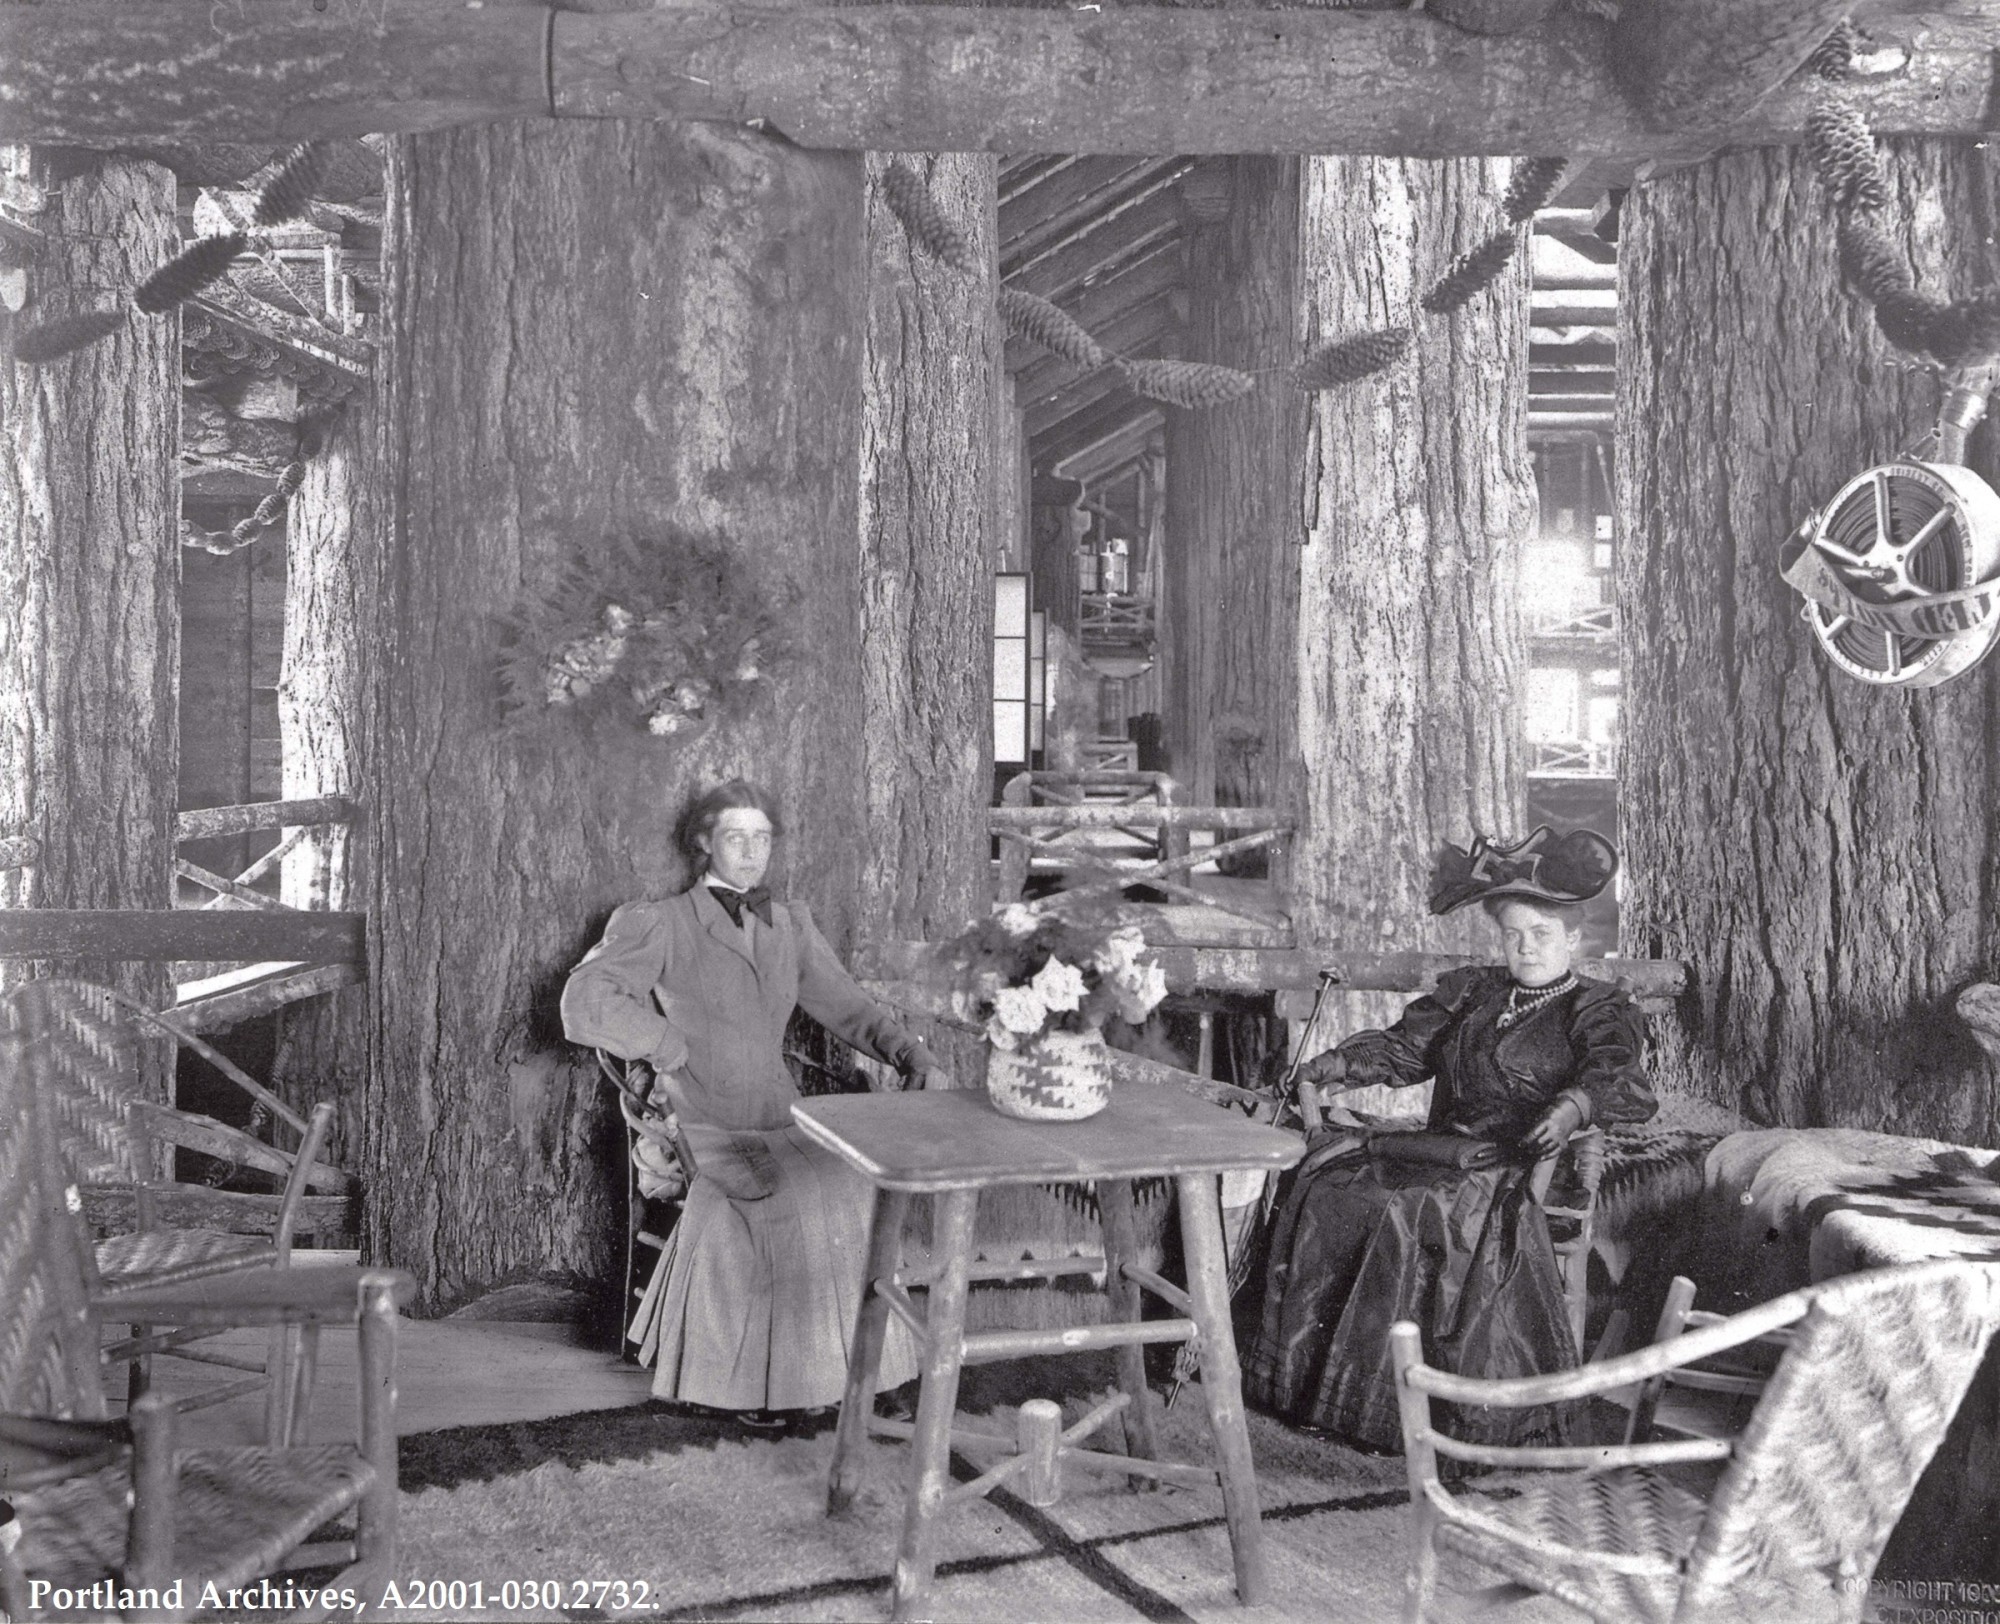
1441, 1227
754, 1298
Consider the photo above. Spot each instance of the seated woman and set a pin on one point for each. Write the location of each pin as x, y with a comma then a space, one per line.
755, 1296
1442, 1228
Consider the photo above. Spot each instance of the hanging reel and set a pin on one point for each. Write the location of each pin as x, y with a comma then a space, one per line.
1901, 570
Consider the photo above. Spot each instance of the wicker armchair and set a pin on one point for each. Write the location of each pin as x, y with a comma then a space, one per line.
1786, 1521
650, 1213
158, 1232
103, 1498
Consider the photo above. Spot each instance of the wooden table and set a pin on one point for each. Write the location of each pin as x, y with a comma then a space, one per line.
952, 1144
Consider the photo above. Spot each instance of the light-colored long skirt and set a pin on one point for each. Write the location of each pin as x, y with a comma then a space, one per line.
755, 1297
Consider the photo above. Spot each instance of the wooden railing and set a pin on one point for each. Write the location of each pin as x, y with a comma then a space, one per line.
255, 952
1106, 833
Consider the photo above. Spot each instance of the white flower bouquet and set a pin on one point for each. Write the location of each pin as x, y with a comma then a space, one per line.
1024, 973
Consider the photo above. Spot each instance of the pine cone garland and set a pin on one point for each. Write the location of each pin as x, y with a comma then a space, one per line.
1842, 150
1530, 187
1347, 360
291, 479
1870, 260
1908, 320
1189, 384
1471, 273
1833, 58
48, 340
188, 272
287, 194
1032, 317
911, 202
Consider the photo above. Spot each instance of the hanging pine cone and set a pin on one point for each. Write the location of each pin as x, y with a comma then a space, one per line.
1833, 57
47, 340
1530, 187
1471, 273
286, 194
1909, 321
1842, 150
188, 272
1346, 360
1190, 384
911, 202
1032, 317
1870, 260
291, 479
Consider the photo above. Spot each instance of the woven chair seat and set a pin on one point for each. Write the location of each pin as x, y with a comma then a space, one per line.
238, 1512
1630, 1511
147, 1254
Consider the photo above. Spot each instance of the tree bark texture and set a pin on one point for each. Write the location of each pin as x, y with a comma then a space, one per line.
1824, 855
929, 505
90, 575
333, 534
1232, 557
594, 335
1414, 497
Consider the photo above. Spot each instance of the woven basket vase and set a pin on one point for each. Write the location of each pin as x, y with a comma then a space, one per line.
1055, 1077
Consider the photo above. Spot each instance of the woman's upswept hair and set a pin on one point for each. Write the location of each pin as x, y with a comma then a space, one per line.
700, 819
1570, 914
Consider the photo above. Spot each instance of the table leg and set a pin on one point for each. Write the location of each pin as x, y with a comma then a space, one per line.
1119, 1213
864, 1353
1221, 1379
930, 1448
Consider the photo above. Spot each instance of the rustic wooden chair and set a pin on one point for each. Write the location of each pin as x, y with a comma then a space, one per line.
649, 1218
161, 1232
1571, 1176
103, 1498
1739, 1374
1785, 1521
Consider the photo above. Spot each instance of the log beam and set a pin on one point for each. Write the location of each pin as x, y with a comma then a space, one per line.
915, 78
1689, 64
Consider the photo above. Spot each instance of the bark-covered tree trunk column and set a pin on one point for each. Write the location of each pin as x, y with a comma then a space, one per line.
1414, 498
332, 531
928, 507
595, 334
90, 573
1824, 855
1232, 553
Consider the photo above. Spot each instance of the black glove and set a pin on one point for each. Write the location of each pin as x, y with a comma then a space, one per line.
1552, 1132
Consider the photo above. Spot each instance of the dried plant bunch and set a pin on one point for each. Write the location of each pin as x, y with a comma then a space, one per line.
662, 633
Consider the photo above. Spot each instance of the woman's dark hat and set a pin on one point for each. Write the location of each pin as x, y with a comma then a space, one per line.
1546, 867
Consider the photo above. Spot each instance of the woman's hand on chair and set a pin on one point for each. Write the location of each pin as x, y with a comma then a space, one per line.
1552, 1132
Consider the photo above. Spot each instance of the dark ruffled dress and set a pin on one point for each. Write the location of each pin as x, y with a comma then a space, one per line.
1362, 1242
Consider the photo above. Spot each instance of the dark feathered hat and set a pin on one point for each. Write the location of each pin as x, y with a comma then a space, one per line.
1546, 867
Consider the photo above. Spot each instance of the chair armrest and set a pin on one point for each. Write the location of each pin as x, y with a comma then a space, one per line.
1518, 1392
39, 1450
196, 1132
301, 1295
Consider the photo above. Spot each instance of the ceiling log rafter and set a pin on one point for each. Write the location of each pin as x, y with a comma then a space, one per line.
1136, 80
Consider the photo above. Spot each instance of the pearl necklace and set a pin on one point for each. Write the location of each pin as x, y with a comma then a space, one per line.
1519, 1009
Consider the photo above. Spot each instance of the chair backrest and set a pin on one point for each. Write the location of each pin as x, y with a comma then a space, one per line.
48, 1342
1848, 1421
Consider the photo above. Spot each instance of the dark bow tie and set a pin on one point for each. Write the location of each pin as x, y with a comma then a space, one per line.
757, 900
